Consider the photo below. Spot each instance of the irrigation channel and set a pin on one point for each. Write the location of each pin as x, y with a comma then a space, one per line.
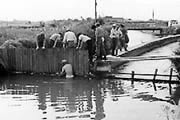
32, 97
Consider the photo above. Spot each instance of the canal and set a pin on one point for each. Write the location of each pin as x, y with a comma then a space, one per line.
34, 97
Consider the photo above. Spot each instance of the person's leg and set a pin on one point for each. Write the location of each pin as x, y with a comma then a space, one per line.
103, 51
113, 45
98, 48
126, 47
89, 47
40, 43
51, 43
123, 43
120, 44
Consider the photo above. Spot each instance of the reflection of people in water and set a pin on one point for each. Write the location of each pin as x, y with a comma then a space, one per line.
176, 95
176, 99
71, 97
99, 101
42, 90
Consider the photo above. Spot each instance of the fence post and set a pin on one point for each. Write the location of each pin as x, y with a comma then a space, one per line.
154, 78
170, 78
132, 78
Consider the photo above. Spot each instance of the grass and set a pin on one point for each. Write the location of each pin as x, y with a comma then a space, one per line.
20, 37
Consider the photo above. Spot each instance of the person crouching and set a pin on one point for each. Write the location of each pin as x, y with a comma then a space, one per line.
67, 69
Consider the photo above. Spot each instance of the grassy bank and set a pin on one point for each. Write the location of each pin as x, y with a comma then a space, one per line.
26, 37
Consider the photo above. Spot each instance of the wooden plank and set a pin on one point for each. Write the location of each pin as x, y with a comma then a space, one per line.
24, 60
75, 61
4, 57
18, 63
80, 62
154, 78
48, 61
77, 70
87, 62
14, 59
31, 60
144, 80
35, 61
55, 66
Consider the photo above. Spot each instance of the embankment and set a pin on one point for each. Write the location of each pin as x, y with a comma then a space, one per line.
144, 48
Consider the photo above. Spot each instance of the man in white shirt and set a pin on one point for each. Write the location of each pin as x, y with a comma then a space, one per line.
67, 69
70, 39
115, 35
85, 43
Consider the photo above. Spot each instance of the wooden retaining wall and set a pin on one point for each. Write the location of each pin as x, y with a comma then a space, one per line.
44, 61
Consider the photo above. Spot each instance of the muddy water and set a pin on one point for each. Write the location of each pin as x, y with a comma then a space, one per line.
25, 97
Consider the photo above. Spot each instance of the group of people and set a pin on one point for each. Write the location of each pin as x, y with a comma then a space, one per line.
68, 40
119, 38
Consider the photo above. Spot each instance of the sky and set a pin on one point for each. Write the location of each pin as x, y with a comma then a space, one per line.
44, 10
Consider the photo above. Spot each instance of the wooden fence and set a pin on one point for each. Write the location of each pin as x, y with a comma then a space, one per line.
44, 61
133, 77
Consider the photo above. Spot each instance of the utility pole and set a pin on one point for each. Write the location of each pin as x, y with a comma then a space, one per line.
153, 15
95, 11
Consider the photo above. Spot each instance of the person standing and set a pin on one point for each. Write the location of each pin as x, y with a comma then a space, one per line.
100, 37
55, 40
40, 40
70, 39
119, 40
125, 38
85, 43
114, 38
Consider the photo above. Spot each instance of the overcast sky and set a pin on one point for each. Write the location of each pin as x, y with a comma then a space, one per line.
37, 10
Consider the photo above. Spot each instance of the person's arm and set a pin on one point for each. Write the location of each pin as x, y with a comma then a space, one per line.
120, 33
44, 42
79, 42
75, 39
63, 73
64, 40
55, 42
37, 45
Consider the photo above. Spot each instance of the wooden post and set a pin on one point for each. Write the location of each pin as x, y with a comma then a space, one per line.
154, 78
132, 78
95, 11
170, 78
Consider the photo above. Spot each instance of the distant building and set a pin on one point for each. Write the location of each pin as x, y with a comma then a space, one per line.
173, 23
114, 19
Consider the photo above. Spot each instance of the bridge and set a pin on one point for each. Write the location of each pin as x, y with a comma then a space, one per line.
146, 28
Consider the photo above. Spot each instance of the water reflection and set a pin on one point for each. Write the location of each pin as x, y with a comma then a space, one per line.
66, 96
76, 98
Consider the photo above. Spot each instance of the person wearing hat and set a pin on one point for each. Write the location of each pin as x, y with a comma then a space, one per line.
114, 35
67, 69
69, 38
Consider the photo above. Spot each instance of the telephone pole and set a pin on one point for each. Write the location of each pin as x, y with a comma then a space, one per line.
153, 15
95, 10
